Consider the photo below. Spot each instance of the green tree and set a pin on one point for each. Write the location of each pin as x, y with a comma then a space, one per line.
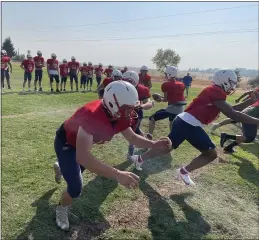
164, 58
9, 47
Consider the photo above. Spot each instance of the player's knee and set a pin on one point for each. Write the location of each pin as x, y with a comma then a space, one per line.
249, 139
211, 155
75, 191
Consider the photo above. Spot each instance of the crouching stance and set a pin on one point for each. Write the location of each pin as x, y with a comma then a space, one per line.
203, 110
96, 123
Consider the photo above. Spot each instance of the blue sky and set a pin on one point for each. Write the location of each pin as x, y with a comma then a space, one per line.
53, 27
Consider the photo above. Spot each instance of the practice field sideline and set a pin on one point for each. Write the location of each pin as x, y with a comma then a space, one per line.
223, 204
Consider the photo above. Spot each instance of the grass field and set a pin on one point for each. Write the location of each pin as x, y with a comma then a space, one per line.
223, 204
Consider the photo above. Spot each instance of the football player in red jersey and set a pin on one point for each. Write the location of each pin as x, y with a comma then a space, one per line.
116, 75
84, 76
28, 66
5, 64
90, 74
63, 68
144, 77
145, 103
124, 70
52, 69
39, 64
98, 73
203, 110
73, 69
96, 123
108, 71
174, 95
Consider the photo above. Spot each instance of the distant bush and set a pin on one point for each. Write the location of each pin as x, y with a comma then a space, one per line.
254, 82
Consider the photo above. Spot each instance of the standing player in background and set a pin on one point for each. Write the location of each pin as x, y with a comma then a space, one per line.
108, 71
145, 103
39, 64
144, 77
5, 64
73, 69
187, 80
96, 123
174, 95
204, 109
116, 75
98, 74
84, 76
90, 73
52, 69
28, 66
63, 69
124, 70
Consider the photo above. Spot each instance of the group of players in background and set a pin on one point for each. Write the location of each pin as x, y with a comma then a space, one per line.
61, 72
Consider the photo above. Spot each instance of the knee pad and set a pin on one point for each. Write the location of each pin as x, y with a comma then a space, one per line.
249, 139
75, 191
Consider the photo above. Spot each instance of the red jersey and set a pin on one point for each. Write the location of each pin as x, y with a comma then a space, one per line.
39, 62
84, 70
4, 62
108, 71
92, 117
256, 104
53, 64
143, 92
90, 71
98, 72
28, 65
73, 66
202, 107
174, 90
144, 80
107, 81
63, 69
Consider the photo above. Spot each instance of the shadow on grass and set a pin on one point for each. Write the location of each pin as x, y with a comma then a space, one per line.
90, 221
247, 170
41, 226
252, 148
162, 222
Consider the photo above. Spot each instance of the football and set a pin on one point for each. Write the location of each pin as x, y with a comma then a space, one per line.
157, 97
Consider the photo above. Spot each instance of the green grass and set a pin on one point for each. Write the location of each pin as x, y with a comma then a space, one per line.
223, 204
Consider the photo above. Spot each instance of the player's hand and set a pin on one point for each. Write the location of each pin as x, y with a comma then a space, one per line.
163, 144
127, 179
255, 96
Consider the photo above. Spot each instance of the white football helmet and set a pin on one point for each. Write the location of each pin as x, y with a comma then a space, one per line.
119, 98
29, 56
116, 75
84, 64
131, 77
3, 52
171, 72
64, 60
144, 68
226, 79
53, 55
100, 65
89, 63
73, 58
39, 52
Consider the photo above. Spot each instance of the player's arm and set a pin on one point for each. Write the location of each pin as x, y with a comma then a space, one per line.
11, 66
149, 83
85, 158
237, 116
147, 104
164, 98
48, 68
248, 93
142, 142
22, 65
